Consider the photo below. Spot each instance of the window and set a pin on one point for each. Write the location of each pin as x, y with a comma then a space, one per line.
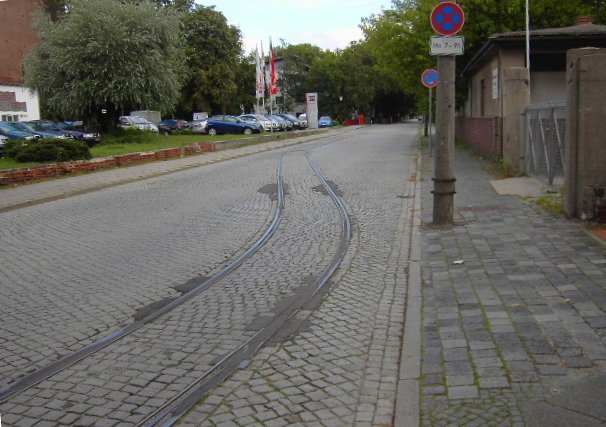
10, 117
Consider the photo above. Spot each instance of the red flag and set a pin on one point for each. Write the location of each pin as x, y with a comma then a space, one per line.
273, 88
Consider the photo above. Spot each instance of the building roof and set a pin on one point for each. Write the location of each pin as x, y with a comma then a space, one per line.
576, 36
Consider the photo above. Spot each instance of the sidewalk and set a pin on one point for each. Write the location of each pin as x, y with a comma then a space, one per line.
514, 312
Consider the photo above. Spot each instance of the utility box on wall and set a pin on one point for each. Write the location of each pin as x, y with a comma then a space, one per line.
585, 181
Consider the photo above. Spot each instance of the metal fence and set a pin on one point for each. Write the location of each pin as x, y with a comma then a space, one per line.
545, 130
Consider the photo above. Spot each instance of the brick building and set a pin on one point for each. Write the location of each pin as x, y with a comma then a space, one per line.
16, 38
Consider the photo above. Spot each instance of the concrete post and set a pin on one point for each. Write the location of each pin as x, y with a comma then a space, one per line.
516, 96
585, 130
444, 179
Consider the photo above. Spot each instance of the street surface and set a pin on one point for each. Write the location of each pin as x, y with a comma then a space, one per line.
79, 268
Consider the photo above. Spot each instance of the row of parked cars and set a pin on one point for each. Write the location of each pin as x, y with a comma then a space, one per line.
46, 129
220, 124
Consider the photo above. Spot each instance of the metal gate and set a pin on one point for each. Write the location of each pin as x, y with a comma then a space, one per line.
545, 129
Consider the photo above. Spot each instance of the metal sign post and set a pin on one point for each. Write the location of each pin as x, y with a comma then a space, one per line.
447, 19
430, 79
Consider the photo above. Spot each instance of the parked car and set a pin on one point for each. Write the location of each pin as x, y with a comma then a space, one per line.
136, 122
275, 125
89, 137
12, 132
264, 121
284, 124
231, 124
37, 131
198, 126
172, 125
289, 123
298, 124
303, 118
325, 121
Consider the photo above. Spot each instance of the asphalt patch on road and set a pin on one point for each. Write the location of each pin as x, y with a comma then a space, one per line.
142, 313
320, 189
190, 284
272, 191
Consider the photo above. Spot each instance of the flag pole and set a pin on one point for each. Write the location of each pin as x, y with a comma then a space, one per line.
257, 78
263, 73
528, 41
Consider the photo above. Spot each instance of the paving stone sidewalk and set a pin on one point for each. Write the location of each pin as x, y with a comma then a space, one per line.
514, 311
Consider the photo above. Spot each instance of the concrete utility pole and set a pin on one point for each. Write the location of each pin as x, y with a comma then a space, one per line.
446, 19
444, 180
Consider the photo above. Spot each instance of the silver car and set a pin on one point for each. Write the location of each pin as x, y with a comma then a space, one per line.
264, 121
198, 126
136, 122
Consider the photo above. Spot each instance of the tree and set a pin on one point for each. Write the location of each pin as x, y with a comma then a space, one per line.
212, 50
399, 40
106, 55
399, 37
181, 5
297, 60
245, 82
347, 82
54, 8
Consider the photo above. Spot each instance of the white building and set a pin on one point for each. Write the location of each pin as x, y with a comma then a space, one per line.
18, 103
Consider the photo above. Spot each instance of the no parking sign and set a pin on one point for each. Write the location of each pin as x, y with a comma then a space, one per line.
430, 78
447, 18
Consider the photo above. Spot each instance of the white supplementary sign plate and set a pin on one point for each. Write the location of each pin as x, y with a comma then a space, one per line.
451, 45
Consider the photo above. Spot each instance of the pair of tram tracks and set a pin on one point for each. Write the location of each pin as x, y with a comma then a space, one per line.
175, 408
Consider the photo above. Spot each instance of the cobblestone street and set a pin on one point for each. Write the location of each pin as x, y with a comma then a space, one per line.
336, 364
498, 320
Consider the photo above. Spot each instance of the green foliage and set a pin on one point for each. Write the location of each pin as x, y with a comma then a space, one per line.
399, 37
212, 50
54, 8
504, 168
106, 54
47, 150
552, 203
297, 61
245, 82
128, 136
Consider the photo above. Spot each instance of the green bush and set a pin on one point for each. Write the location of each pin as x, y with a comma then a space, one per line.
47, 150
128, 136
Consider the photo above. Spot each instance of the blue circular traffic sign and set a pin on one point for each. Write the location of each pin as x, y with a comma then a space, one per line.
430, 78
447, 18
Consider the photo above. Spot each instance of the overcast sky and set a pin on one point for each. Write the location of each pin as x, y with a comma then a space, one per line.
329, 24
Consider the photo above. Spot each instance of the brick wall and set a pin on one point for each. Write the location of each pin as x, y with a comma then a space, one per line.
16, 37
21, 175
481, 134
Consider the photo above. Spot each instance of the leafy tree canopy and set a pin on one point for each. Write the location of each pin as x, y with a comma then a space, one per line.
297, 60
213, 49
106, 54
399, 37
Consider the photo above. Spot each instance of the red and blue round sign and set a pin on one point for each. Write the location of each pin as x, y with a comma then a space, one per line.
447, 18
430, 78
